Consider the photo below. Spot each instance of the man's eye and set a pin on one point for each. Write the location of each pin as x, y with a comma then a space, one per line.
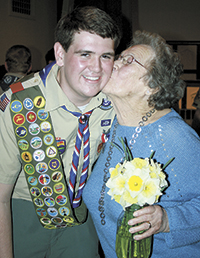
84, 54
106, 56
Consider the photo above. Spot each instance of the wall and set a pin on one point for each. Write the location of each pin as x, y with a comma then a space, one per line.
37, 34
172, 19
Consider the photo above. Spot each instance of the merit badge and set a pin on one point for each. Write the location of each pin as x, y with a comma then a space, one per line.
61, 145
54, 164
32, 180
51, 152
39, 102
38, 155
28, 104
29, 169
19, 119
69, 220
42, 115
36, 142
59, 188
26, 156
56, 176
44, 179
23, 144
34, 129
57, 220
64, 211
52, 212
41, 167
48, 139
16, 106
21, 131
45, 127
35, 191
45, 221
61, 199
47, 191
31, 117
41, 212
38, 202
49, 201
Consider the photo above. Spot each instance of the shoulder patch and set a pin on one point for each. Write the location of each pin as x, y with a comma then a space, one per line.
16, 87
4, 101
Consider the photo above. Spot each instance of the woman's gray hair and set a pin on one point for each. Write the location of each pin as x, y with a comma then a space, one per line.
163, 71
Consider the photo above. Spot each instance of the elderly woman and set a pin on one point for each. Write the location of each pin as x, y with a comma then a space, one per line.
144, 86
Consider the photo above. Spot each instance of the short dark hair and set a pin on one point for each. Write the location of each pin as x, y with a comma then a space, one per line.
90, 19
163, 71
18, 59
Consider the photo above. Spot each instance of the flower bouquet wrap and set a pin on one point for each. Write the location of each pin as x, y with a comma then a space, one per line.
134, 184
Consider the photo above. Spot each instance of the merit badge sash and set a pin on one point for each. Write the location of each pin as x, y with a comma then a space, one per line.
41, 160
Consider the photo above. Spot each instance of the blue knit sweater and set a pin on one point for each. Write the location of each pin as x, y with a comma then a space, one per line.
169, 137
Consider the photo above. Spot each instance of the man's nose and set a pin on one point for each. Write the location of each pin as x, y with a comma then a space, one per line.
95, 65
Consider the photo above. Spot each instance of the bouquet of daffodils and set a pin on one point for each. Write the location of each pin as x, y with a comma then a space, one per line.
134, 184
139, 181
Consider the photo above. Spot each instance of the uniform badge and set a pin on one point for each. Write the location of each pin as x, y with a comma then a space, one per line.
29, 169
41, 167
49, 201
52, 212
4, 101
42, 115
38, 155
23, 144
35, 191
19, 119
106, 104
61, 199
45, 127
21, 131
48, 139
28, 104
16, 106
54, 164
32, 180
36, 142
39, 101
44, 179
31, 117
61, 145
34, 129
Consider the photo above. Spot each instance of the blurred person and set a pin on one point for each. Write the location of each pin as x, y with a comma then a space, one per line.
145, 84
50, 57
17, 65
52, 127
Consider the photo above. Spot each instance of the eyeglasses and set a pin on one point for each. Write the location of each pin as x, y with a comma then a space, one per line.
129, 59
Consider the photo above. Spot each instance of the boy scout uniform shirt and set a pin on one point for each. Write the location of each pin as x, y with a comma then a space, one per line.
65, 127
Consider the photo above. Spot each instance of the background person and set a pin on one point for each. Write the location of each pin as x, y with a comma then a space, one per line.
17, 64
38, 135
144, 85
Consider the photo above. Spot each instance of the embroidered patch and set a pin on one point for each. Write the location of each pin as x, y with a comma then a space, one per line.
61, 145
4, 101
106, 104
106, 122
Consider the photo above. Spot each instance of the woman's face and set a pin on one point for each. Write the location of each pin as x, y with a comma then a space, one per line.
127, 79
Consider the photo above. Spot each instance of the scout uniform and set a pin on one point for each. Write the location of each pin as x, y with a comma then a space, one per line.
37, 139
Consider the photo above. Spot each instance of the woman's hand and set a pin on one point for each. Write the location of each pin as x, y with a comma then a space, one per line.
154, 220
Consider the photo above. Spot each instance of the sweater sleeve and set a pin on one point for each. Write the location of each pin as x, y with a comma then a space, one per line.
182, 198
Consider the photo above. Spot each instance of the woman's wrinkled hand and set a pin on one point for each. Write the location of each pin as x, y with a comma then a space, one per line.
151, 219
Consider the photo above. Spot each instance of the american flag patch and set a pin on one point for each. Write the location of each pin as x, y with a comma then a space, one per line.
4, 101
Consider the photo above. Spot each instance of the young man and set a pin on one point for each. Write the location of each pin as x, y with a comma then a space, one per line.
17, 64
53, 126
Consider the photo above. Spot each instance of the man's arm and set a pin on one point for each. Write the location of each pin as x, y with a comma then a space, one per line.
5, 221
196, 121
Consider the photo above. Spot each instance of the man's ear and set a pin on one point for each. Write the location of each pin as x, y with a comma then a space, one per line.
6, 66
59, 54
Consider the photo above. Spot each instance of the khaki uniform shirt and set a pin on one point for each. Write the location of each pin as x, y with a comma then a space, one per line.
65, 127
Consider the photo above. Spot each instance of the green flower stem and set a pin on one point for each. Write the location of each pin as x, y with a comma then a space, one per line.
126, 246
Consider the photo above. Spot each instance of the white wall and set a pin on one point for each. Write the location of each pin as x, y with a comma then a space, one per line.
36, 34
